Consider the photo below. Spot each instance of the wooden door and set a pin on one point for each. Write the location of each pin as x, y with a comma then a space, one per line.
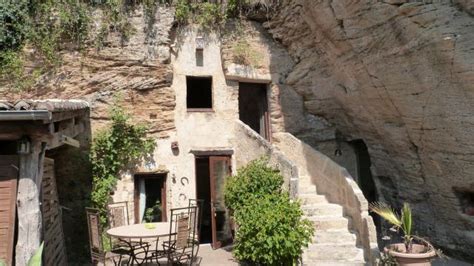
8, 189
220, 168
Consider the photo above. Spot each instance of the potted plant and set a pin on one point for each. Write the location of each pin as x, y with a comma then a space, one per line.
414, 250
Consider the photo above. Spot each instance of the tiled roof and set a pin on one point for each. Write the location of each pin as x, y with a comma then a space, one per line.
52, 105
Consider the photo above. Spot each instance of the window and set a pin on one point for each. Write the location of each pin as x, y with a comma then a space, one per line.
199, 93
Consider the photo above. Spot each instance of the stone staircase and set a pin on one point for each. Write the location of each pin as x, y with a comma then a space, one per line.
344, 231
333, 243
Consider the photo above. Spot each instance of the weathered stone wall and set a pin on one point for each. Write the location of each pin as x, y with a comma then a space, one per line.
400, 77
137, 73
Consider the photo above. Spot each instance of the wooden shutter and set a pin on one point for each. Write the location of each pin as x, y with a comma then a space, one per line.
8, 186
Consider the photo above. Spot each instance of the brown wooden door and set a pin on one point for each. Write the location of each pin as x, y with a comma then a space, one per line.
8, 189
220, 168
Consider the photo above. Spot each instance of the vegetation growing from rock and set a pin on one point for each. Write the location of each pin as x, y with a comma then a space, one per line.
271, 230
113, 149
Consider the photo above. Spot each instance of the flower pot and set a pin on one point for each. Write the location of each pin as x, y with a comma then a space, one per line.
420, 256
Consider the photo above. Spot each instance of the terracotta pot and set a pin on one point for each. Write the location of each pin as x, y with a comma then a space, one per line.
419, 257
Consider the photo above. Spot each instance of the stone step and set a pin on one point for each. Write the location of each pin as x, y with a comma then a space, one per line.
335, 252
334, 236
305, 181
311, 198
302, 189
332, 263
325, 209
328, 222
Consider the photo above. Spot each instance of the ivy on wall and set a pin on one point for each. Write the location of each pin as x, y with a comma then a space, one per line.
113, 150
46, 27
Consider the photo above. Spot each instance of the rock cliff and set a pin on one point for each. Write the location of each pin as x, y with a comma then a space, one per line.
400, 76
136, 72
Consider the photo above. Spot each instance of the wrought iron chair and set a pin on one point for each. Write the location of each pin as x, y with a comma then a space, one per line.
96, 244
199, 203
182, 243
118, 216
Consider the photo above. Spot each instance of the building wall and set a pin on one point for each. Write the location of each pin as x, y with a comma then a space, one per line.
195, 131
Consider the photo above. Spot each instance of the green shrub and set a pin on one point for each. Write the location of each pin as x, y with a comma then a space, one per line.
254, 180
182, 11
271, 231
13, 24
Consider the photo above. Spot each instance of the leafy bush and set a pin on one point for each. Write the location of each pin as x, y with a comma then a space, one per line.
113, 149
271, 231
13, 21
254, 180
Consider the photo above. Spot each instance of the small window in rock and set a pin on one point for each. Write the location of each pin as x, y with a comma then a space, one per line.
199, 93
199, 57
466, 199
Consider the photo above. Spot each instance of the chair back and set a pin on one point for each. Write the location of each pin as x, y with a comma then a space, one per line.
118, 214
183, 226
199, 203
95, 235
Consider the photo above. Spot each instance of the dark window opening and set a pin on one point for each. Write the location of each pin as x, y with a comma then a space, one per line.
8, 147
199, 92
466, 200
199, 57
150, 198
253, 107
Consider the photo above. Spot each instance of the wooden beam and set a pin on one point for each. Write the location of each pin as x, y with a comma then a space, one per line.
28, 203
65, 115
70, 141
56, 139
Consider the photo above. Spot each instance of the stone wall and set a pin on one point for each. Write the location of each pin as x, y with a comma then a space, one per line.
398, 75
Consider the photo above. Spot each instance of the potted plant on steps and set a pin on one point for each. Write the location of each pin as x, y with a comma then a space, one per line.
414, 250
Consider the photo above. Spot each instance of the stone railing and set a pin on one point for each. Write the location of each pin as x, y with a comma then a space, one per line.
249, 145
336, 184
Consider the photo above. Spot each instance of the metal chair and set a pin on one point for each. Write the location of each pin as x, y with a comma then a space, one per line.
199, 203
181, 245
96, 244
118, 214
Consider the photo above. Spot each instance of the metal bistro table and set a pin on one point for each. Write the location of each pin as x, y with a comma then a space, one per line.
129, 233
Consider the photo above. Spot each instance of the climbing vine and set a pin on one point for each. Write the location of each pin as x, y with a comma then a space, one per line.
113, 150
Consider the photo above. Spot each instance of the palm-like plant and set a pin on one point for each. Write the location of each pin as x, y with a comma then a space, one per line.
403, 222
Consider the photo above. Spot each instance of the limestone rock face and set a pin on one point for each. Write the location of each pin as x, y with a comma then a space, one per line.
400, 76
137, 72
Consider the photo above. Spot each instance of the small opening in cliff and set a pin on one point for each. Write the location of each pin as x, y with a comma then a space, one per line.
466, 200
199, 57
199, 93
364, 176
